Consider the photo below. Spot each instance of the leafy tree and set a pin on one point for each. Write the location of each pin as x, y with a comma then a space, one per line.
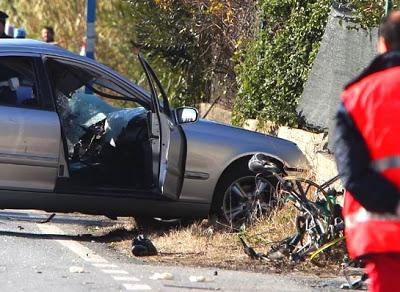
276, 63
189, 43
113, 46
204, 48
193, 43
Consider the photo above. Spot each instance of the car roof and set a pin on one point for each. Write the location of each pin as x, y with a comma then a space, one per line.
30, 46
33, 46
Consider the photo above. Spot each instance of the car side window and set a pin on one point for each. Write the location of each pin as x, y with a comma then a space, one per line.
18, 82
84, 97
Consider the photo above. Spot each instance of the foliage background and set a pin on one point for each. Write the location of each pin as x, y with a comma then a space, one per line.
189, 43
276, 63
250, 55
193, 42
69, 22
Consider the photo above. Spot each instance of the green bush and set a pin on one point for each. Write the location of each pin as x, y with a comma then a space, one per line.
275, 65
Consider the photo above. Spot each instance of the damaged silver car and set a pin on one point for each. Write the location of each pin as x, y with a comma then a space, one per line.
79, 137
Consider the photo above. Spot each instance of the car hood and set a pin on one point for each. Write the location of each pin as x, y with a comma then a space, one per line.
230, 129
250, 142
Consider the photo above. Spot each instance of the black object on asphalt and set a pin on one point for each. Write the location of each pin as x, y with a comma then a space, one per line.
48, 219
142, 246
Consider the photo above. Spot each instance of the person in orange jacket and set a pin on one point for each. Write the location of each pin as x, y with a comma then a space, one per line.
367, 152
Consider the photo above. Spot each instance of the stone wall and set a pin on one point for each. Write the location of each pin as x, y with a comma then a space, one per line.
313, 145
217, 113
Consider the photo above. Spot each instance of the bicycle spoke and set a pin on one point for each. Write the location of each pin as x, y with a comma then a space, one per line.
300, 188
309, 198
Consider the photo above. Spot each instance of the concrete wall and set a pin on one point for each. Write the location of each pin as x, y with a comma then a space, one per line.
217, 113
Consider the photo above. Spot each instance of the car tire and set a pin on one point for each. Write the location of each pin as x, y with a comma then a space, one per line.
237, 176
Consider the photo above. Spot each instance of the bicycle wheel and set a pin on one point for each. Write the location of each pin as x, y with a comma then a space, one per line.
314, 208
305, 188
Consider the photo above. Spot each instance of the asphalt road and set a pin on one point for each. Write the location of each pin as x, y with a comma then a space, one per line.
53, 257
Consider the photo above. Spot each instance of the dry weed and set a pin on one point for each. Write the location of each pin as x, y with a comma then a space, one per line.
202, 244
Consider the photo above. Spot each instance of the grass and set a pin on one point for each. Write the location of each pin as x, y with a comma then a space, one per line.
206, 245
202, 244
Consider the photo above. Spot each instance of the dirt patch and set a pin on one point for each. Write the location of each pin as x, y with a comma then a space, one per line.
203, 245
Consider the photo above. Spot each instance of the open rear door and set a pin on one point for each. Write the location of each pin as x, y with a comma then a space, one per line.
168, 140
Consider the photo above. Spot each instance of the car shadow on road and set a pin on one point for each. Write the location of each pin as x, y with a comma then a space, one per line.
110, 233
111, 236
106, 230
59, 218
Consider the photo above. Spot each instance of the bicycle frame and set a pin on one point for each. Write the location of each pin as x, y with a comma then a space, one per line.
319, 224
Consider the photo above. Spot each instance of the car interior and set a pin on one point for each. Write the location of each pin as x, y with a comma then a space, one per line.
105, 130
17, 86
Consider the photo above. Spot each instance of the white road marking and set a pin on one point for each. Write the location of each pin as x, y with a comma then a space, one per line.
137, 287
97, 261
82, 251
125, 278
115, 272
104, 265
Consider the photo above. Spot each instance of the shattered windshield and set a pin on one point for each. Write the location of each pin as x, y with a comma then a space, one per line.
85, 97
89, 109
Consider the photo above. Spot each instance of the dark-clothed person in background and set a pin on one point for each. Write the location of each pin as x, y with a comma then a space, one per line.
367, 151
3, 18
48, 35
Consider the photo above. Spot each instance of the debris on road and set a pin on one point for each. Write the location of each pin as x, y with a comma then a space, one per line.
142, 246
192, 287
355, 275
161, 276
197, 279
75, 269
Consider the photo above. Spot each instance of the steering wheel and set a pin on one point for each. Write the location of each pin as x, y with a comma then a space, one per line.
86, 142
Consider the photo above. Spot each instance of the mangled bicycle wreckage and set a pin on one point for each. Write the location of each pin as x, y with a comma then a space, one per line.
319, 223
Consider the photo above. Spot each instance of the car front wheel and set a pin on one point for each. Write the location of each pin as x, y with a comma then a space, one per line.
237, 200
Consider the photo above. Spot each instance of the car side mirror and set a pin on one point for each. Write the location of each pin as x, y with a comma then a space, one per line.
186, 115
